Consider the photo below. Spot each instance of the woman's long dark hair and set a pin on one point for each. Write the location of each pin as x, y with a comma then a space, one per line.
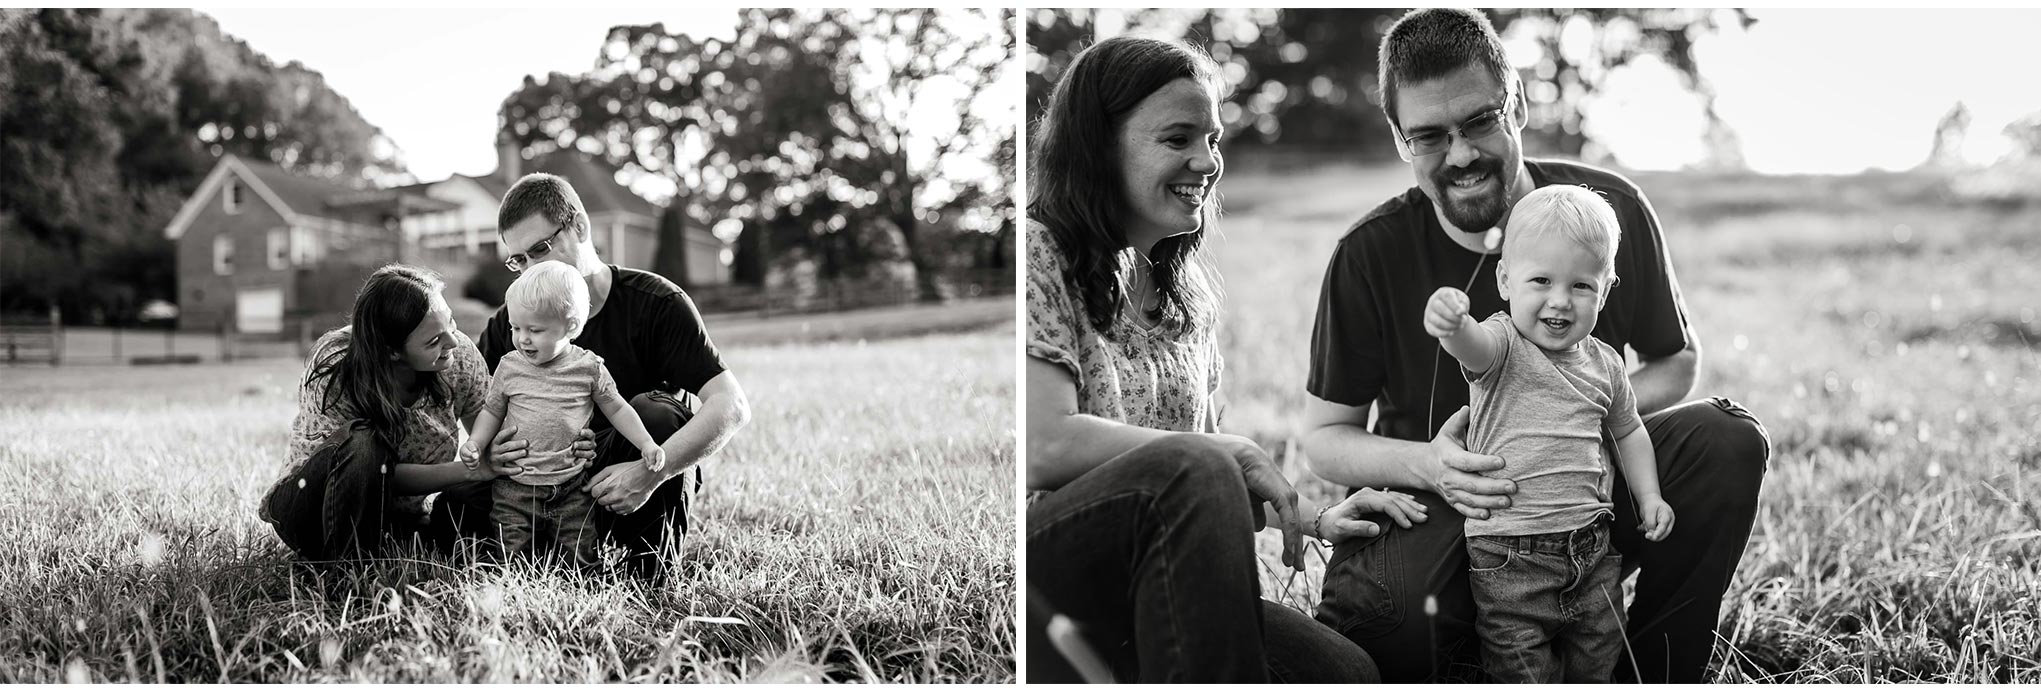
1074, 185
388, 308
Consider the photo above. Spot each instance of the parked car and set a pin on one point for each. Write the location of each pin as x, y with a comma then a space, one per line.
158, 313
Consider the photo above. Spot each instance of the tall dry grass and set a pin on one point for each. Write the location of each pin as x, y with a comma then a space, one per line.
860, 529
1891, 343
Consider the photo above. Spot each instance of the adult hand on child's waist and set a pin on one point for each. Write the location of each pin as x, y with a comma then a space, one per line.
1456, 472
506, 452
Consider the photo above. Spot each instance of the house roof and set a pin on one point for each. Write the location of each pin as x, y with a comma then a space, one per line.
293, 196
304, 195
593, 179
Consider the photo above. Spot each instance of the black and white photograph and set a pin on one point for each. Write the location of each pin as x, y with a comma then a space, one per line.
551, 345
1531, 345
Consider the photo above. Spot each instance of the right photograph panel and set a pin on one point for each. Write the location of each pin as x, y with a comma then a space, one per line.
1531, 345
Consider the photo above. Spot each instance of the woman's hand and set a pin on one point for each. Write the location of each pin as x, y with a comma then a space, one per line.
1266, 483
1456, 472
1346, 520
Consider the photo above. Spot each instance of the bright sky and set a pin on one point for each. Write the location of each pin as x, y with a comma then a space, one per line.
1837, 91
432, 79
1820, 91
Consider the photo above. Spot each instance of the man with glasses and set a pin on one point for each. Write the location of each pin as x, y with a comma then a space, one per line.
1457, 111
651, 339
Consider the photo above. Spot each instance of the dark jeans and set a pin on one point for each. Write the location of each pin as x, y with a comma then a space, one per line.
336, 505
340, 507
1548, 607
1152, 554
561, 515
463, 512
1711, 461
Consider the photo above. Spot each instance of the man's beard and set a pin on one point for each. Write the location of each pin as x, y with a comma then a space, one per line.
1479, 214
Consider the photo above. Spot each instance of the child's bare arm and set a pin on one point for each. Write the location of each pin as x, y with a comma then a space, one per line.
626, 420
486, 424
1640, 470
1446, 319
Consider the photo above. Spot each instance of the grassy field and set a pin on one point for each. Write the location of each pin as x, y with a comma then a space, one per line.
860, 529
1889, 342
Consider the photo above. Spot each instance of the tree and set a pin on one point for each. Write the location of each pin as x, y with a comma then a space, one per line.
1306, 78
110, 119
808, 127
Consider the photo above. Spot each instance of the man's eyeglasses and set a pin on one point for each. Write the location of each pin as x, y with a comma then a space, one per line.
1435, 142
517, 262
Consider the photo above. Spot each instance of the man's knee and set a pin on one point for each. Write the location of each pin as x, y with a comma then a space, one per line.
1737, 441
663, 413
1736, 451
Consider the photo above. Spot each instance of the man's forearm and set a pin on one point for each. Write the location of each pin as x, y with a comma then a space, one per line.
1349, 455
712, 427
1664, 382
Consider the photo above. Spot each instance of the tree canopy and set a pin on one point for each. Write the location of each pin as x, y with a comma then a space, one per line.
1306, 78
850, 137
109, 119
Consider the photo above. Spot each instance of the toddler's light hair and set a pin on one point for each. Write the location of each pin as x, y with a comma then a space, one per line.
550, 290
1571, 211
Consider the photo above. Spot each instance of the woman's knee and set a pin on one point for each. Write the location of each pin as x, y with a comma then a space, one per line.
356, 444
1192, 460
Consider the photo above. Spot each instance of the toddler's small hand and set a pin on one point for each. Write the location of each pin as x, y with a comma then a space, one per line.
1445, 313
654, 456
469, 456
1655, 518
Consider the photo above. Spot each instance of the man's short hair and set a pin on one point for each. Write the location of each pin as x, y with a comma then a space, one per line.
544, 195
550, 290
1569, 211
1428, 44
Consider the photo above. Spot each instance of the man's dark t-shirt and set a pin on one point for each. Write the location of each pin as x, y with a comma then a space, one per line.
1369, 342
648, 334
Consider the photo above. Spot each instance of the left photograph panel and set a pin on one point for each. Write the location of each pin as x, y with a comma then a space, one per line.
550, 346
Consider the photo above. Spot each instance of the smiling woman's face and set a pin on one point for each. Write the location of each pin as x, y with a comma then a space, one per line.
430, 347
1169, 161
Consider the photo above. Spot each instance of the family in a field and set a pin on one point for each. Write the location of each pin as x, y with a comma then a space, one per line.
1516, 469
376, 452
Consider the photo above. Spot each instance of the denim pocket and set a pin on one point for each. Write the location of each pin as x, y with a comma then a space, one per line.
1359, 599
1487, 554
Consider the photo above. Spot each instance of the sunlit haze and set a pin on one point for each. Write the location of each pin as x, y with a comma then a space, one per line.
1835, 91
433, 79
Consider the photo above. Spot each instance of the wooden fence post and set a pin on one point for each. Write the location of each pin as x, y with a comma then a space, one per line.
56, 337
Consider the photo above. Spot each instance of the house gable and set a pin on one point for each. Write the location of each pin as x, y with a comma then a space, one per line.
229, 167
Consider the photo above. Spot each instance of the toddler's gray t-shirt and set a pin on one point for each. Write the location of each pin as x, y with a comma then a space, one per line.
548, 404
1543, 412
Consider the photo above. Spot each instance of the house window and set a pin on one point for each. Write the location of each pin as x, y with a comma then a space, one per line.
231, 201
279, 248
304, 248
223, 254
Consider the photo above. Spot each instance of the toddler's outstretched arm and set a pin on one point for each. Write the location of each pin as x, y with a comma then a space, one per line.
1446, 319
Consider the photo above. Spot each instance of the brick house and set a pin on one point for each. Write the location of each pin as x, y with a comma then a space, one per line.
262, 249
